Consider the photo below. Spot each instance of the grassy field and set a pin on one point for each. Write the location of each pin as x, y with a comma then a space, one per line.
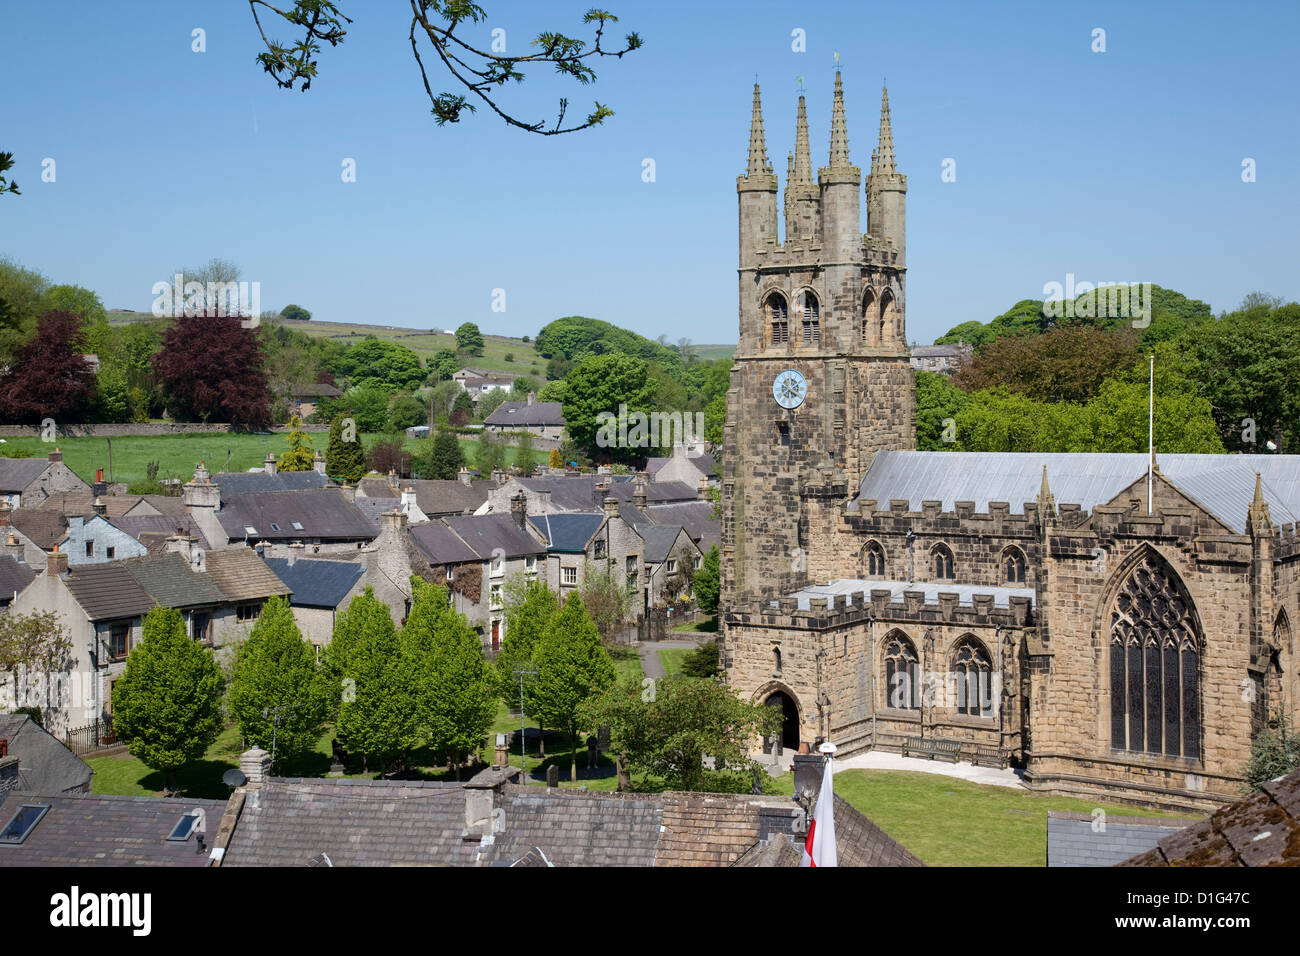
671, 659
950, 822
178, 454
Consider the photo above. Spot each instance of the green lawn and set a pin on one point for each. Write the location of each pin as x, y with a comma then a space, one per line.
950, 822
708, 625
671, 658
178, 454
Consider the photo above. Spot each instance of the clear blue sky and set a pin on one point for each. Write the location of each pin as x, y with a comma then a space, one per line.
1115, 166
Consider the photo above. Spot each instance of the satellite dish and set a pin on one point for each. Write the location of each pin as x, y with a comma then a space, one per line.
234, 777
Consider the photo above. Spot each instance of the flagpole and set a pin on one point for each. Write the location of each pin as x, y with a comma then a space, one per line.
1151, 427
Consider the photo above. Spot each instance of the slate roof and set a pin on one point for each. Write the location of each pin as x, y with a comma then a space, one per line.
153, 530
101, 830
322, 513
17, 473
316, 583
246, 482
568, 532
1222, 484
372, 508
659, 541
1074, 839
448, 496
163, 504
853, 587
242, 575
357, 822
705, 462
656, 491
69, 503
108, 591
578, 827
45, 765
486, 533
694, 516
569, 493
518, 414
44, 528
170, 582
440, 545
1260, 830
13, 577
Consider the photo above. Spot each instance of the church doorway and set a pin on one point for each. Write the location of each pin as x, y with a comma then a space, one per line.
788, 737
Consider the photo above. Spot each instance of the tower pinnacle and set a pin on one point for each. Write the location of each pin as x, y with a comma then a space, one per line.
758, 163
839, 133
802, 174
882, 160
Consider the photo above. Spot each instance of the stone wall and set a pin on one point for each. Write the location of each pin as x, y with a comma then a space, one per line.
140, 428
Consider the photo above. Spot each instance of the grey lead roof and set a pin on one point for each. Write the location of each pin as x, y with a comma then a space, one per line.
852, 587
568, 532
1222, 484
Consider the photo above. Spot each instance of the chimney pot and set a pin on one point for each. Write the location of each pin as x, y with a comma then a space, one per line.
255, 764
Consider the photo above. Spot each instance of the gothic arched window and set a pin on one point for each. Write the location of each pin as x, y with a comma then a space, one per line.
1013, 566
776, 661
886, 316
942, 558
811, 318
902, 673
778, 317
1154, 664
868, 315
974, 669
873, 559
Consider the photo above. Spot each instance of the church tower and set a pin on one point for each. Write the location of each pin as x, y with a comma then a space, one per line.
821, 379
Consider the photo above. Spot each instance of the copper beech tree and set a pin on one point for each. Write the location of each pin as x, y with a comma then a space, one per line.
210, 369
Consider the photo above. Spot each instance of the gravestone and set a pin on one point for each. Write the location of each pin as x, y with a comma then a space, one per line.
553, 775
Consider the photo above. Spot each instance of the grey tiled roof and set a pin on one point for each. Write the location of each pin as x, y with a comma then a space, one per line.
242, 575
1075, 839
149, 529
170, 582
13, 577
486, 533
17, 473
656, 491
1222, 484
568, 532
357, 822
45, 765
440, 545
45, 528
108, 591
509, 414
659, 541
316, 583
102, 830
578, 827
1260, 830
322, 513
247, 482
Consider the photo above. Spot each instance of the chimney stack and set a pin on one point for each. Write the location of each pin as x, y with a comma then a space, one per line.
465, 477
392, 479
499, 477
702, 490
639, 493
519, 509
15, 548
56, 455
611, 507
200, 491
255, 764
99, 507
295, 550
532, 398
269, 465
5, 512
318, 463
57, 563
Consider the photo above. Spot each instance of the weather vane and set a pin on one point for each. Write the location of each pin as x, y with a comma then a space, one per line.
838, 64
799, 80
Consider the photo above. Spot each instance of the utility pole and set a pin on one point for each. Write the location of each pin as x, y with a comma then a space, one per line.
523, 741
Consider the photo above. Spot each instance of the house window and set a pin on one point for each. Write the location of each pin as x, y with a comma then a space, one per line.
778, 316
672, 566
631, 572
942, 563
449, 572
90, 549
248, 612
496, 597
119, 640
696, 562
974, 670
498, 565
201, 627
811, 320
530, 564
569, 575
1154, 664
110, 552
902, 673
23, 822
600, 548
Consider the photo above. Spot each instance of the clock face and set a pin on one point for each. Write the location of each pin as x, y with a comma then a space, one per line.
789, 389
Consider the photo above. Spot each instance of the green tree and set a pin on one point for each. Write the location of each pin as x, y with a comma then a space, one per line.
1274, 752
702, 662
405, 411
456, 699
529, 607
489, 402
490, 455
167, 703
553, 392
300, 456
375, 363
441, 398
469, 339
33, 648
604, 384
572, 665
938, 401
524, 453
667, 729
295, 313
376, 684
75, 299
708, 582
440, 456
445, 364
345, 460
462, 410
605, 597
276, 668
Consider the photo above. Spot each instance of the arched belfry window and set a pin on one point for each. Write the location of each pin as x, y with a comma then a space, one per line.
1013, 566
902, 673
973, 668
873, 560
887, 316
811, 315
868, 315
778, 317
941, 557
1154, 664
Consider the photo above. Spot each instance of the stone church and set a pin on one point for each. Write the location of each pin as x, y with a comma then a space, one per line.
1114, 629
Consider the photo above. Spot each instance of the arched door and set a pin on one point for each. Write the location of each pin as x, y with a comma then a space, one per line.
789, 736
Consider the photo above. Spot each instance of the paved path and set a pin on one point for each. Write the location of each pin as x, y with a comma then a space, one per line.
649, 653
880, 760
